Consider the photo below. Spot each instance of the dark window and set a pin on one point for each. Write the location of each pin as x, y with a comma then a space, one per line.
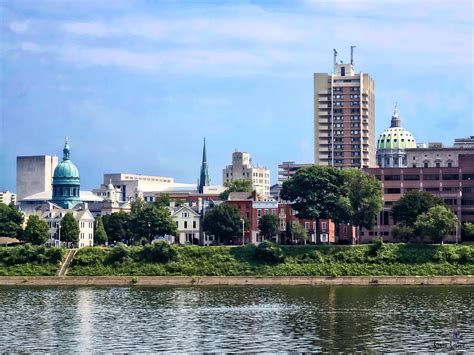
425, 165
449, 188
450, 201
392, 177
392, 190
385, 218
450, 165
467, 202
411, 177
343, 71
431, 177
451, 176
438, 165
468, 176
432, 189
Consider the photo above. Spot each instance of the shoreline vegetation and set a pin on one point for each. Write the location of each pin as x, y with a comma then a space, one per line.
265, 261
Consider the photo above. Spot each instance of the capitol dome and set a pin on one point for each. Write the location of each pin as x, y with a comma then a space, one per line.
392, 143
396, 138
66, 181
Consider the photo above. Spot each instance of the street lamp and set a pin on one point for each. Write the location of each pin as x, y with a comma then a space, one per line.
243, 231
59, 238
149, 232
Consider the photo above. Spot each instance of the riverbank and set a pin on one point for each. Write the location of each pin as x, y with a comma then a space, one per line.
233, 281
165, 260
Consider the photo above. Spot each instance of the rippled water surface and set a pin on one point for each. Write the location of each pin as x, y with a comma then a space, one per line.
234, 319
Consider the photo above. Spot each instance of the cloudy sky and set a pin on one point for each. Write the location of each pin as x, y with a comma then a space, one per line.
136, 85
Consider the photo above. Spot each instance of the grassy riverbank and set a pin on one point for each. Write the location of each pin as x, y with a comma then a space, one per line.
28, 260
170, 260
361, 260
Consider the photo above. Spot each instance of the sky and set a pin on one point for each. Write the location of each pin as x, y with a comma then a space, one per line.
137, 85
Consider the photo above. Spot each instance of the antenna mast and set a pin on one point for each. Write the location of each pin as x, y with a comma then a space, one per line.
352, 55
335, 57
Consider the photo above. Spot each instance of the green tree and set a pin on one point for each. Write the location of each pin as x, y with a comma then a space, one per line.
362, 199
10, 221
163, 200
150, 221
316, 193
223, 221
468, 229
437, 223
69, 229
412, 204
100, 235
239, 185
269, 225
403, 233
36, 231
299, 232
117, 227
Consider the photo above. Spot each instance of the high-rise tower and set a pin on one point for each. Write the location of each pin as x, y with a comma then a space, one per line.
204, 176
344, 117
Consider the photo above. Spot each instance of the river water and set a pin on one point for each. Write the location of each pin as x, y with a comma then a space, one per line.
235, 319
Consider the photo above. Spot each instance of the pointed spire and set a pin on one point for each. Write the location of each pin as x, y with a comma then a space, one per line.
204, 176
66, 149
396, 122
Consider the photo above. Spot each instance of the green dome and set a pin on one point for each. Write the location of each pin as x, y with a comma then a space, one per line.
66, 170
396, 138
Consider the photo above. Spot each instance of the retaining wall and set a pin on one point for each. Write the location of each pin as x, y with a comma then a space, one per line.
230, 281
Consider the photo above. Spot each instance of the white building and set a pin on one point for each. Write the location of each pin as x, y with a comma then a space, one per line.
53, 215
128, 185
188, 223
242, 169
7, 197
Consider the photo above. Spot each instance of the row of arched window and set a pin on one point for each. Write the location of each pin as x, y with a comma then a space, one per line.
65, 192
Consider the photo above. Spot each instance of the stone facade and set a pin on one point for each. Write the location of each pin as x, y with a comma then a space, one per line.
242, 169
34, 174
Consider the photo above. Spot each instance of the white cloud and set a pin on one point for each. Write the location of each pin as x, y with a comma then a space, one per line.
19, 26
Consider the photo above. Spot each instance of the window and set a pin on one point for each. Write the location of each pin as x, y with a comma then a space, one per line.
425, 164
307, 225
343, 71
431, 177
451, 176
177, 225
392, 177
467, 176
259, 213
323, 226
411, 177
194, 224
392, 190
185, 224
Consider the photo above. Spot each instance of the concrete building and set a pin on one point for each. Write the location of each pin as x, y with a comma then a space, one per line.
454, 184
130, 186
344, 118
435, 155
242, 169
393, 143
467, 142
34, 174
7, 197
287, 169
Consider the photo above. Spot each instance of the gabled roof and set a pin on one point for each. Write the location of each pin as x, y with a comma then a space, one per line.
175, 210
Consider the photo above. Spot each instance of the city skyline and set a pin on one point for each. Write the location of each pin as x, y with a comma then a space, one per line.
137, 85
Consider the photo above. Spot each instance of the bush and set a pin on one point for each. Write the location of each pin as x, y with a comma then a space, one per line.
119, 254
160, 252
269, 252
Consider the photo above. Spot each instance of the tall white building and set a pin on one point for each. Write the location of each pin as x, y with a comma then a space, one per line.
34, 174
242, 169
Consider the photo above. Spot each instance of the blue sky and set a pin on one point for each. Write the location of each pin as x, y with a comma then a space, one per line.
136, 85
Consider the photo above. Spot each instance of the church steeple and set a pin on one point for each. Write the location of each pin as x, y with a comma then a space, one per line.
204, 176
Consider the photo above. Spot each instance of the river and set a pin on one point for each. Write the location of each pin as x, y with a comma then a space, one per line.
236, 319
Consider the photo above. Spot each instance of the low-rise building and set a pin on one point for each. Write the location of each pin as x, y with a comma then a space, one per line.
188, 223
7, 197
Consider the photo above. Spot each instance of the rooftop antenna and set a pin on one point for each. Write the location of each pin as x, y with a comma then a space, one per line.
352, 55
335, 57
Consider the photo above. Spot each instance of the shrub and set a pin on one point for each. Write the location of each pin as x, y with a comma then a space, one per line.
119, 254
161, 252
269, 252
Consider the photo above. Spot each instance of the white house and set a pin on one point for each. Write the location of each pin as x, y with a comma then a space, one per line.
188, 223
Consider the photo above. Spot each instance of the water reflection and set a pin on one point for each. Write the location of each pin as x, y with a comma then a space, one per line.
225, 319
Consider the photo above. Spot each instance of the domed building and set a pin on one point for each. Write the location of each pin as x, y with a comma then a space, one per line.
66, 182
392, 143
